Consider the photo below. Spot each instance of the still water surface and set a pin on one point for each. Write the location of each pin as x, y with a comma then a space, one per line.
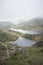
22, 42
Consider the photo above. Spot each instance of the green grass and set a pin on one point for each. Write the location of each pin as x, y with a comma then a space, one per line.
27, 56
7, 37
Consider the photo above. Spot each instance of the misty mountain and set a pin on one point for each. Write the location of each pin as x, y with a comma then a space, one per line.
33, 23
6, 24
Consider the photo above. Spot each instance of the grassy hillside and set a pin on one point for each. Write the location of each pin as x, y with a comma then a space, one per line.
26, 56
35, 37
33, 24
6, 36
39, 44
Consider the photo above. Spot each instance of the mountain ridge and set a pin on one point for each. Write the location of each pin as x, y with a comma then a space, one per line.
33, 23
6, 23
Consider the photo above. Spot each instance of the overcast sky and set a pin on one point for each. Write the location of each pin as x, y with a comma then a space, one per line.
21, 8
